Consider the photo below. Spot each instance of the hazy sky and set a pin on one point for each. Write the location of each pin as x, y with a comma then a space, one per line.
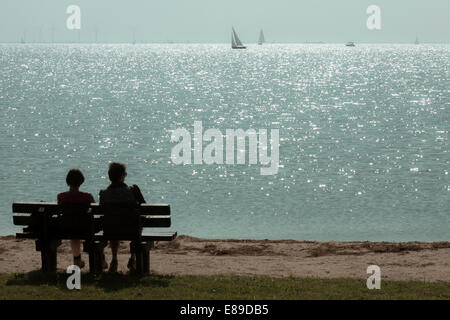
211, 20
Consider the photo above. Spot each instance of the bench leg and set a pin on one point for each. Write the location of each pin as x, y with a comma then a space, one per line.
91, 261
98, 258
146, 257
142, 252
48, 260
48, 254
89, 247
136, 248
146, 262
139, 261
95, 251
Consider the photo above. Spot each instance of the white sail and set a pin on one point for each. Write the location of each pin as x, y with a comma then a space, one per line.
261, 39
235, 41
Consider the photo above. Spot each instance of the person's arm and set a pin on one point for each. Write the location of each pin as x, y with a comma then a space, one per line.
100, 197
137, 194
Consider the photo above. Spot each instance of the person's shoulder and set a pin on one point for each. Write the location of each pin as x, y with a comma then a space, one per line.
87, 196
61, 196
102, 193
58, 197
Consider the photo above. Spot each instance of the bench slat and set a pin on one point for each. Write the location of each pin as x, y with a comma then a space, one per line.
147, 235
159, 236
52, 207
22, 219
26, 235
144, 209
25, 219
156, 222
30, 207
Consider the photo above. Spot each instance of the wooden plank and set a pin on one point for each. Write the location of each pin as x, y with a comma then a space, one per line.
26, 235
25, 219
30, 207
144, 209
147, 222
22, 219
151, 235
147, 235
156, 221
155, 209
52, 207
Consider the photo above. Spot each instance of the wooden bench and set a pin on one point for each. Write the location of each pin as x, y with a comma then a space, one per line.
94, 224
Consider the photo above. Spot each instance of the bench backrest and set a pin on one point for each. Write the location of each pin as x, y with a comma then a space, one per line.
152, 209
67, 221
121, 222
74, 221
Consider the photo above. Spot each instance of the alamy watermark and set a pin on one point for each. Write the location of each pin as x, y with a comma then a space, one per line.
374, 281
73, 22
74, 280
374, 20
213, 153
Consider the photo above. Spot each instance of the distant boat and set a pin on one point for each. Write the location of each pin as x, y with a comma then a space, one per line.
350, 44
417, 40
261, 39
235, 42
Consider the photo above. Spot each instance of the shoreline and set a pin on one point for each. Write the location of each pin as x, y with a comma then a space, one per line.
403, 261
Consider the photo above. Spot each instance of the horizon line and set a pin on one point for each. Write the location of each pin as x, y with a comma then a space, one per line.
193, 42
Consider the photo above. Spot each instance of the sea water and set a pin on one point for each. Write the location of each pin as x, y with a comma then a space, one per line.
364, 134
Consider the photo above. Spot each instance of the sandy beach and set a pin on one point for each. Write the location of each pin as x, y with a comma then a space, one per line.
282, 258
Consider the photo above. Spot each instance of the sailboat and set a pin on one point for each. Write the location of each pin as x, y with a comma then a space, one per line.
235, 42
22, 39
417, 40
261, 39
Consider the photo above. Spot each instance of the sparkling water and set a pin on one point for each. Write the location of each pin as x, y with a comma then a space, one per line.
364, 134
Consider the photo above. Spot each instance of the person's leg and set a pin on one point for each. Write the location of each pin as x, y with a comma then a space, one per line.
132, 262
76, 244
114, 244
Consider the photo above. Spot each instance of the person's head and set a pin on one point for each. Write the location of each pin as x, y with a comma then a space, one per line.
117, 172
74, 178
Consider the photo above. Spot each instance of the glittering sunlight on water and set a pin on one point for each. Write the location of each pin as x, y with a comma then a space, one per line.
364, 134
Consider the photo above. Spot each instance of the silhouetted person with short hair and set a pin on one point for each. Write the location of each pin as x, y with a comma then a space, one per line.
120, 193
74, 180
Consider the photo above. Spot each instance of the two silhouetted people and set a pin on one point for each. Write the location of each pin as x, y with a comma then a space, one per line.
117, 193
